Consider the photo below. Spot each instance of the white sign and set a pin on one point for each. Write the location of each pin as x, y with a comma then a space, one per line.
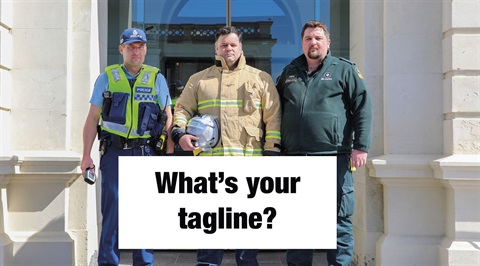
186, 202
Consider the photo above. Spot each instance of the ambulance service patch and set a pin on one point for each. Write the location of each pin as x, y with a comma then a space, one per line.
327, 76
291, 79
358, 72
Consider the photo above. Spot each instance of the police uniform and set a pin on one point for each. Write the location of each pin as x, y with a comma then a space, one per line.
321, 112
128, 107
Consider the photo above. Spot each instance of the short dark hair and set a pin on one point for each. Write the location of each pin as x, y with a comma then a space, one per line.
227, 30
316, 24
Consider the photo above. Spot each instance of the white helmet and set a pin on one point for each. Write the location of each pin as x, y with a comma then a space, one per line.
204, 127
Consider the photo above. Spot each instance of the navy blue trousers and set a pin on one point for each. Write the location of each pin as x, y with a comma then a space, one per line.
108, 252
342, 255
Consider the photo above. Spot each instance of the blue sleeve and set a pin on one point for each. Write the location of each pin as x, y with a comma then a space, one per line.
161, 89
101, 85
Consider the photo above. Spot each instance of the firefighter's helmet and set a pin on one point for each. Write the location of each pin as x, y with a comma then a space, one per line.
206, 128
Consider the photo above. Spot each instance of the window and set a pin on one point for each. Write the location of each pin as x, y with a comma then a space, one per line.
181, 33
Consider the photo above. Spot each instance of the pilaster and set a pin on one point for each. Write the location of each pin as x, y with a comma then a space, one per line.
366, 50
6, 243
459, 171
49, 215
414, 212
460, 176
461, 84
6, 43
35, 207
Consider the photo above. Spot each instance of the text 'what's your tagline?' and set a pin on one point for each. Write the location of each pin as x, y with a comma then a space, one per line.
222, 202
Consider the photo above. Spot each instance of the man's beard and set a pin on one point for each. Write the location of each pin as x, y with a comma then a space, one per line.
314, 55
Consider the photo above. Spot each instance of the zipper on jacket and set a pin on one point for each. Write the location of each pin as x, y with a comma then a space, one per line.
131, 82
306, 81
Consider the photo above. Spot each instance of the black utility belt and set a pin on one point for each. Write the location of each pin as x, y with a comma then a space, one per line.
123, 143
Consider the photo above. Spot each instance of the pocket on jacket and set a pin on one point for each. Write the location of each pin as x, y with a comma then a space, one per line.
249, 98
253, 136
116, 109
148, 115
321, 130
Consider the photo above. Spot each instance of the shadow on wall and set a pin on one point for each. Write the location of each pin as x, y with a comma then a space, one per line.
46, 247
6, 243
45, 218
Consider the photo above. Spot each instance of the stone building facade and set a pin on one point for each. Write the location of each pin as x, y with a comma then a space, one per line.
417, 202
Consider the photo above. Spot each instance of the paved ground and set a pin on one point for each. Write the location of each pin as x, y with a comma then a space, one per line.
188, 258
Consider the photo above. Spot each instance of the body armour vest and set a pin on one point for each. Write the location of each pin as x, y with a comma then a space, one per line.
129, 110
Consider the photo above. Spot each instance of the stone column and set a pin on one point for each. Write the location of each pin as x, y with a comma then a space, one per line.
366, 50
6, 243
6, 42
461, 179
459, 171
49, 215
35, 198
413, 200
414, 210
430, 170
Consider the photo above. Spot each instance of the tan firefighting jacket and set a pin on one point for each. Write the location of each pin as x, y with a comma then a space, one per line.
245, 103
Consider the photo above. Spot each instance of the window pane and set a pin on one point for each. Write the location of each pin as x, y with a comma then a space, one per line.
181, 33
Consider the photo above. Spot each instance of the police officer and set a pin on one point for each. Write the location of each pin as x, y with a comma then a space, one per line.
326, 111
128, 102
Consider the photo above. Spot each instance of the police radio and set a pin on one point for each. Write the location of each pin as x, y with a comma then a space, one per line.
162, 137
89, 176
160, 144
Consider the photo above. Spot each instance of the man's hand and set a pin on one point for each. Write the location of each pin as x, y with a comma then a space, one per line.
87, 162
186, 142
89, 134
359, 158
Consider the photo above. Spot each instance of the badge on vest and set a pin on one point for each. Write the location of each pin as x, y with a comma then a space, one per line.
143, 90
145, 78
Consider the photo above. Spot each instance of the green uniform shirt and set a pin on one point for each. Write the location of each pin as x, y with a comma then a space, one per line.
324, 112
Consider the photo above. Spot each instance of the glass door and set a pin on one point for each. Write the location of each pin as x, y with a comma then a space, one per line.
181, 33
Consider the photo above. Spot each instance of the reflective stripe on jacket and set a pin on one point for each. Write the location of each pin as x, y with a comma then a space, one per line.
122, 116
244, 101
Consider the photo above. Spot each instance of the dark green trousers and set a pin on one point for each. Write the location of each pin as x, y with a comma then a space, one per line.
342, 256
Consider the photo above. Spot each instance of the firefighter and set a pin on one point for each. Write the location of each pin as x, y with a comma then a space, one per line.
245, 103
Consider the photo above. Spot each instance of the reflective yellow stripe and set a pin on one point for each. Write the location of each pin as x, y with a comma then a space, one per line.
180, 120
272, 134
219, 103
223, 103
222, 151
134, 134
114, 126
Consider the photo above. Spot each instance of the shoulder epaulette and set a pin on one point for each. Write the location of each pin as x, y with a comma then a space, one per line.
346, 60
154, 69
